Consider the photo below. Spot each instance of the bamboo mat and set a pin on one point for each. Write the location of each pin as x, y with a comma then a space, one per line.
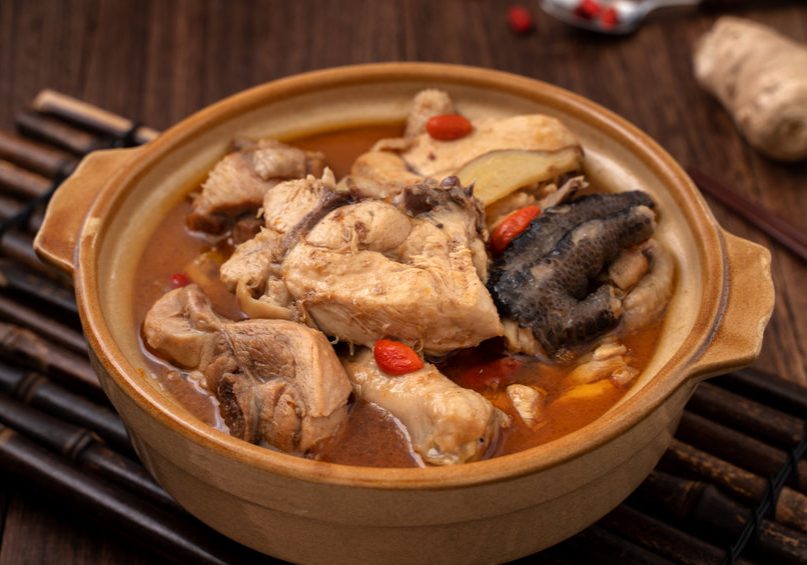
731, 488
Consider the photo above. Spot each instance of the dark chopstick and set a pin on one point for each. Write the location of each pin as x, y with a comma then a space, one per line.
771, 224
175, 537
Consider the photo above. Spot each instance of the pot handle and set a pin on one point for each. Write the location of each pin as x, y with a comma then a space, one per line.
737, 339
55, 243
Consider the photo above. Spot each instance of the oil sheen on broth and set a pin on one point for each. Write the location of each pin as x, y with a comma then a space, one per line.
371, 436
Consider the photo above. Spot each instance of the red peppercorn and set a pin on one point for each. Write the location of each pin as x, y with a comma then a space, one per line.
588, 9
178, 280
520, 19
448, 127
609, 17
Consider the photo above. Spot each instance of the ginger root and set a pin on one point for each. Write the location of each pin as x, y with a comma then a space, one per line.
760, 76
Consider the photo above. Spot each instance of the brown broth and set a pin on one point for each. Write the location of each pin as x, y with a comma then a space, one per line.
371, 437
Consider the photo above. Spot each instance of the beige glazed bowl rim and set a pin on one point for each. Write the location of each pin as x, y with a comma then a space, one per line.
680, 367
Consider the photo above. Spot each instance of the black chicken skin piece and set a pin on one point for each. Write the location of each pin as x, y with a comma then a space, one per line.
547, 278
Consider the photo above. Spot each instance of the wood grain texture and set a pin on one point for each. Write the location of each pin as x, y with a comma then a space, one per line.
159, 60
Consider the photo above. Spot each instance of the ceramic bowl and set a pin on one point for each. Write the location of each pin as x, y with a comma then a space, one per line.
488, 511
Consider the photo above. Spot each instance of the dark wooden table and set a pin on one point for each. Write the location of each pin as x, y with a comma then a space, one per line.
161, 60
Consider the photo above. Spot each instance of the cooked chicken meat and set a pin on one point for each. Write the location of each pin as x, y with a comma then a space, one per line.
527, 401
276, 381
237, 184
369, 271
609, 360
446, 423
647, 300
544, 280
253, 271
181, 327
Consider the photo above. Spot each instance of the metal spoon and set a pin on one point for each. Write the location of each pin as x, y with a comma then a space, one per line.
628, 13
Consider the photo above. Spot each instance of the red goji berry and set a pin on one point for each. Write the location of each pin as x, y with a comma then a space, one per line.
396, 358
520, 19
447, 127
512, 226
179, 280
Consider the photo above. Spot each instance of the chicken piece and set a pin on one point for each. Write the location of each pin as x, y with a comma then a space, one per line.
181, 327
380, 174
279, 382
447, 424
527, 401
276, 381
238, 183
369, 271
253, 270
628, 268
609, 360
520, 340
647, 300
427, 104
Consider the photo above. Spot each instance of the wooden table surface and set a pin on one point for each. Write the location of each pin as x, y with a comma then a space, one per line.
159, 61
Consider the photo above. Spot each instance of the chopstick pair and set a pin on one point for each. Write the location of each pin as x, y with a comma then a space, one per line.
773, 225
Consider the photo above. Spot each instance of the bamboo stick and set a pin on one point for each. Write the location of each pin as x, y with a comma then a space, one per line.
43, 394
738, 448
765, 387
660, 537
57, 133
22, 183
93, 117
14, 276
9, 207
50, 329
19, 246
80, 446
791, 506
171, 536
694, 501
24, 346
36, 157
598, 545
745, 415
